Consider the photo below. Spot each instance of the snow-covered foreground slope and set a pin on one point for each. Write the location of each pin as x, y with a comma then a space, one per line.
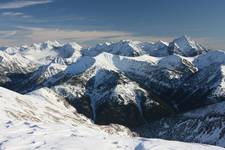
41, 120
29, 136
44, 106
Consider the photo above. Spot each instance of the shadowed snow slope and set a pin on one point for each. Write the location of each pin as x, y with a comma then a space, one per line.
206, 124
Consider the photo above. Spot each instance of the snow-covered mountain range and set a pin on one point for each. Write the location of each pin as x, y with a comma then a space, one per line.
163, 90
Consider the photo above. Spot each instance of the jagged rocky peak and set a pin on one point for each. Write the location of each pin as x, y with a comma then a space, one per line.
9, 50
59, 60
123, 48
157, 49
49, 45
95, 50
72, 45
15, 62
161, 44
69, 50
185, 46
126, 48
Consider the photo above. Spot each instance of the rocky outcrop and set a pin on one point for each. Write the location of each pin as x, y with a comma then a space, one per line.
205, 125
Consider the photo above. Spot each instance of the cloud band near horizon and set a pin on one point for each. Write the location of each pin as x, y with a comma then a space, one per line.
28, 35
22, 3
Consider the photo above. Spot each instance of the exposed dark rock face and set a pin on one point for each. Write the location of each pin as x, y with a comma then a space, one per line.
112, 112
204, 125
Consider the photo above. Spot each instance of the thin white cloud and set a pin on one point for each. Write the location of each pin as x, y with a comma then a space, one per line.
27, 35
42, 34
22, 3
35, 34
15, 14
212, 43
5, 38
6, 42
7, 33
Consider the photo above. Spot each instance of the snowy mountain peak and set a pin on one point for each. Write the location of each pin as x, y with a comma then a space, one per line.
161, 43
185, 46
130, 43
184, 37
123, 47
49, 45
185, 41
69, 50
104, 44
73, 45
46, 51
158, 49
9, 50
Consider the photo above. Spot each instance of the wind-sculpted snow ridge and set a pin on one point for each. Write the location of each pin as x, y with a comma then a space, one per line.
131, 83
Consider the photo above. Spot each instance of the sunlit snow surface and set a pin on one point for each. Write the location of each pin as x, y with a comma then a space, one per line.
26, 135
37, 136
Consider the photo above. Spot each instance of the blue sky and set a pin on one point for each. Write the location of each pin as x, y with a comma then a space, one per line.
91, 21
